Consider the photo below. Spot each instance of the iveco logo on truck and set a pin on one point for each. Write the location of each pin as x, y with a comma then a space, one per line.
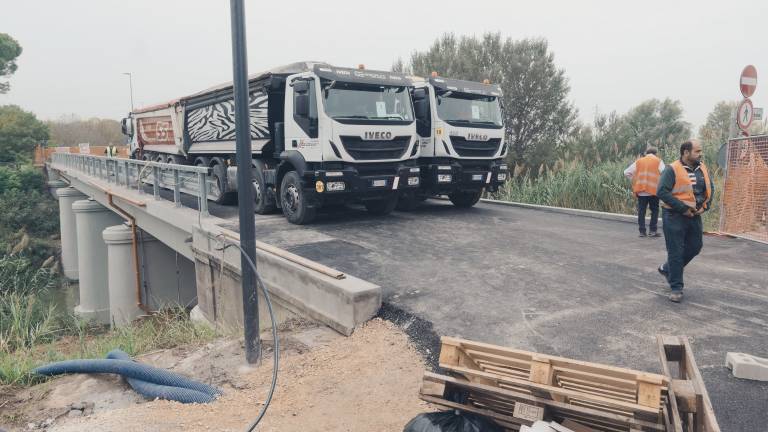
378, 136
477, 137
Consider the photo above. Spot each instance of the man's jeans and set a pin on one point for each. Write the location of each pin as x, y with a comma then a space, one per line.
683, 236
644, 202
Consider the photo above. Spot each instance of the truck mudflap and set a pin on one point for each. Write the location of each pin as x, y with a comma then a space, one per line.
444, 178
361, 182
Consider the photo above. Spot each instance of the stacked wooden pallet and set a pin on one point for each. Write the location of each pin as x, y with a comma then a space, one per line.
516, 387
688, 404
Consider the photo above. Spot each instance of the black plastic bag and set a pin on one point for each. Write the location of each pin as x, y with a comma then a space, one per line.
451, 421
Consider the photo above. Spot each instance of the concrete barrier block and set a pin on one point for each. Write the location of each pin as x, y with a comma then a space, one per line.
747, 366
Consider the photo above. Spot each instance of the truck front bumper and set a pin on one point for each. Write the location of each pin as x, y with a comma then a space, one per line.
444, 178
363, 181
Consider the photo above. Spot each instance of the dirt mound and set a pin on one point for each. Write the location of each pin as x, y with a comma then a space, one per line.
368, 381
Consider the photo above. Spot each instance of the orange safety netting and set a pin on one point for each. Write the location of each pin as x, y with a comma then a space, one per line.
744, 210
42, 154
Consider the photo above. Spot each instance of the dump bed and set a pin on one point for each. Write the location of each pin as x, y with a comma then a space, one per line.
204, 122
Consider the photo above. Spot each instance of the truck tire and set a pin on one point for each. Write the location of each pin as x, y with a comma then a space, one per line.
264, 199
219, 192
462, 199
293, 200
381, 207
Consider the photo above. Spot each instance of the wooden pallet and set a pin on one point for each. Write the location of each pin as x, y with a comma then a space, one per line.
512, 408
516, 387
687, 408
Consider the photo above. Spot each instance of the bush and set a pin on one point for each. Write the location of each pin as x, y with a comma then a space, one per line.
600, 187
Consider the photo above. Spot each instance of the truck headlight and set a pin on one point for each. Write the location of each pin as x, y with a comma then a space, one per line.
502, 176
413, 181
319, 186
444, 178
336, 186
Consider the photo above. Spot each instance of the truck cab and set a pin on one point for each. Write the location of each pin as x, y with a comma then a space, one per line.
461, 137
347, 135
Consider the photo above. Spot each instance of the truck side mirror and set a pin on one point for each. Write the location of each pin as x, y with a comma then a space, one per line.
302, 105
419, 93
127, 126
420, 107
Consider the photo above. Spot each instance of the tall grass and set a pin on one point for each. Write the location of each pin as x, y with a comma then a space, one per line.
26, 317
166, 329
600, 187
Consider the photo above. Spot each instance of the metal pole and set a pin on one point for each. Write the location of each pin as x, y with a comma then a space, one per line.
130, 83
245, 182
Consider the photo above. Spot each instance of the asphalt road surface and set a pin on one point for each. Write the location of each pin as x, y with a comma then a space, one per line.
573, 286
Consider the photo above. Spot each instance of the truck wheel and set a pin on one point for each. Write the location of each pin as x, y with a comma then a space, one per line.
218, 190
463, 199
381, 207
293, 200
264, 200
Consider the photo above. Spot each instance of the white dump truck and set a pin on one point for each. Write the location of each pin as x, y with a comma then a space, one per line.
319, 134
461, 135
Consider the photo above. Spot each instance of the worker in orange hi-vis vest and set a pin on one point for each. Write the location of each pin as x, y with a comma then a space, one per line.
644, 174
686, 190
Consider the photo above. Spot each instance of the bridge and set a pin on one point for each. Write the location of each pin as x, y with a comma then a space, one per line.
581, 285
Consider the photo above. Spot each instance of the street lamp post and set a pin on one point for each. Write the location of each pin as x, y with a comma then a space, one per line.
130, 83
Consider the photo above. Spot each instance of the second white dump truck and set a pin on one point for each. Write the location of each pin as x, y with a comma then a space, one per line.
320, 134
461, 134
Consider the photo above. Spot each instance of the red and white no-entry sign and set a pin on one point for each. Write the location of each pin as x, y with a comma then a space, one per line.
748, 81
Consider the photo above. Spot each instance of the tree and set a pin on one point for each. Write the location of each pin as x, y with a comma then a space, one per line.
71, 130
658, 124
537, 114
714, 132
9, 51
20, 132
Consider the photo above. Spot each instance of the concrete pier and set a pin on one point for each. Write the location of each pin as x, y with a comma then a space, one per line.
91, 218
67, 196
121, 278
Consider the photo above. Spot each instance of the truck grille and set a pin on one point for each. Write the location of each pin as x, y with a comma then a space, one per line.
475, 148
362, 149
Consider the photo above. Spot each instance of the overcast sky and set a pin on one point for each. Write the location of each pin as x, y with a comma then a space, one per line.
615, 53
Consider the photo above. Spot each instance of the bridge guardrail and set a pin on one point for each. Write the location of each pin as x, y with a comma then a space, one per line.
135, 174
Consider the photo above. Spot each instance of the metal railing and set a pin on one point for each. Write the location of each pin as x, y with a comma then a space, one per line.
137, 174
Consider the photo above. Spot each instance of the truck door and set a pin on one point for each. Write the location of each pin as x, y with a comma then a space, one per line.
422, 111
301, 119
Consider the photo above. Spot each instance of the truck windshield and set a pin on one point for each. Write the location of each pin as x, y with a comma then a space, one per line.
344, 101
466, 109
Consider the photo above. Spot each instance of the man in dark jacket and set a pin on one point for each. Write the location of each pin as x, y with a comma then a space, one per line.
686, 190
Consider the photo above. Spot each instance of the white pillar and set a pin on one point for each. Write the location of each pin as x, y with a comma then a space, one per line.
55, 185
122, 276
66, 197
91, 218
